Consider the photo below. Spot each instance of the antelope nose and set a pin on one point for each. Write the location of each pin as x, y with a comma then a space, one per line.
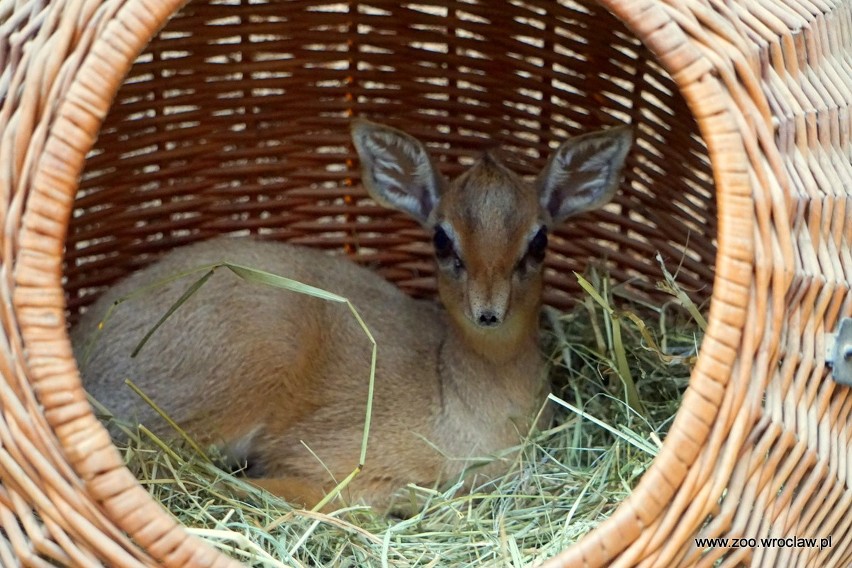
488, 318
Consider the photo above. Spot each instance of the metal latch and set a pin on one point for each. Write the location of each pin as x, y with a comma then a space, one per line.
838, 352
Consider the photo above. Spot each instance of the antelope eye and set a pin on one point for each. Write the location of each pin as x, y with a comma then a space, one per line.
538, 245
443, 243
446, 252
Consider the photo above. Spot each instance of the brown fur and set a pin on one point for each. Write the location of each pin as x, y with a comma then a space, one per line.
275, 373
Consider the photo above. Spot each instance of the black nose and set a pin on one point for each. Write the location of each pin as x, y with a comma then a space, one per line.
488, 319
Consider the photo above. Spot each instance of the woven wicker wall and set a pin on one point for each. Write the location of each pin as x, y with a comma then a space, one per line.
761, 444
236, 120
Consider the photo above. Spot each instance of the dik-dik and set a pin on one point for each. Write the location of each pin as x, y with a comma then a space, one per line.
282, 377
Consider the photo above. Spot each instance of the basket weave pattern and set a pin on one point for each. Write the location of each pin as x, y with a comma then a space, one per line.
118, 142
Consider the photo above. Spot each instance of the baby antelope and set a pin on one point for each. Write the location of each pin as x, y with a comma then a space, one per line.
281, 378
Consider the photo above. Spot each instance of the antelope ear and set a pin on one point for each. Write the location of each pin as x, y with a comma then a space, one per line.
396, 169
584, 172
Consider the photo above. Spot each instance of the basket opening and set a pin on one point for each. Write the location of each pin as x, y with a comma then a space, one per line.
234, 120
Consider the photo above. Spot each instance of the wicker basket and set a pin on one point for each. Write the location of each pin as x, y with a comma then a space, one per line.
118, 142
